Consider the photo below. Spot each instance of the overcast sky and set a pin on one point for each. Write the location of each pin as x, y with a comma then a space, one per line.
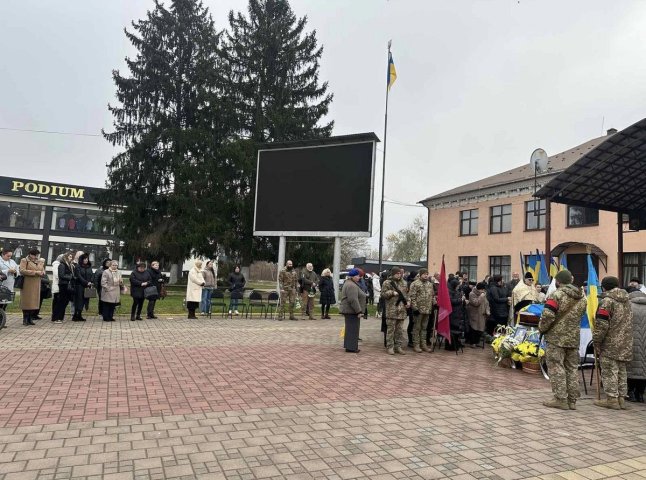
480, 85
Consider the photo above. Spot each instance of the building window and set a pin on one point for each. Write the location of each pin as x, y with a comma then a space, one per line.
582, 216
19, 246
634, 266
535, 215
22, 215
500, 265
469, 222
470, 265
500, 219
96, 253
79, 221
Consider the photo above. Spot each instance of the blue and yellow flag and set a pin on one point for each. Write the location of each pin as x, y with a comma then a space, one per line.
562, 262
532, 263
392, 73
592, 292
543, 276
554, 267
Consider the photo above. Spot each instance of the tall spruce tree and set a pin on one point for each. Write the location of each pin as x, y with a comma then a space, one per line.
164, 188
271, 66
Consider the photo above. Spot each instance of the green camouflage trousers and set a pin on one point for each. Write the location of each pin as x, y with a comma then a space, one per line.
613, 376
394, 333
563, 368
419, 329
289, 297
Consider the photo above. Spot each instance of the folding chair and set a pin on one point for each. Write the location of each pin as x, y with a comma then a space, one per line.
586, 362
217, 300
239, 296
255, 300
272, 304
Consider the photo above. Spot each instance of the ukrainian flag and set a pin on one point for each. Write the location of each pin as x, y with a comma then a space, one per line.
392, 73
554, 267
592, 292
532, 264
562, 262
543, 277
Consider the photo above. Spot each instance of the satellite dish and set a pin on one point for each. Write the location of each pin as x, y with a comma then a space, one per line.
538, 161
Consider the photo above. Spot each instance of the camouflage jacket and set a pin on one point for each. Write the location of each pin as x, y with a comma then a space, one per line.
395, 309
613, 326
288, 280
421, 296
561, 318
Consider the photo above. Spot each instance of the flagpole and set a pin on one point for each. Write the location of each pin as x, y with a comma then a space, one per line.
383, 171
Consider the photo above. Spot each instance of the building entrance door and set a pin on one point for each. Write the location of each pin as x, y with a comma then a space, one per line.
578, 264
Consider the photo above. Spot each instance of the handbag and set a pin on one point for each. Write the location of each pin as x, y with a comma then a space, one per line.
151, 293
20, 281
162, 291
89, 292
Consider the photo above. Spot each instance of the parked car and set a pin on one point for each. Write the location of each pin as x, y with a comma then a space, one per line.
342, 277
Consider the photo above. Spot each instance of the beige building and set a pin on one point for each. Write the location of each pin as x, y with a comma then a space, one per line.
483, 227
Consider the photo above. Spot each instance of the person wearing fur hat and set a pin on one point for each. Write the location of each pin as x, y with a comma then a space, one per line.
478, 311
396, 302
613, 342
560, 324
499, 301
422, 297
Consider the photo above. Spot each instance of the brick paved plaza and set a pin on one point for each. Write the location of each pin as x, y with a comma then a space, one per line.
247, 399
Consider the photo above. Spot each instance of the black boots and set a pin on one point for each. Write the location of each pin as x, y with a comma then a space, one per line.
26, 319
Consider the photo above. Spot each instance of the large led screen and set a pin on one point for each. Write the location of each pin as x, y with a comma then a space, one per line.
316, 191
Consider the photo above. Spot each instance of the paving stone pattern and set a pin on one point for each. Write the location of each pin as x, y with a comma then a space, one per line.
256, 398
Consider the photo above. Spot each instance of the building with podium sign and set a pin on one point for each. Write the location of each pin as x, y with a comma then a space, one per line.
53, 217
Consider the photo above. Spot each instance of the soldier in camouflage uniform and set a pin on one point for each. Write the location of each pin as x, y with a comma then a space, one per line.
561, 325
613, 342
394, 292
421, 296
288, 283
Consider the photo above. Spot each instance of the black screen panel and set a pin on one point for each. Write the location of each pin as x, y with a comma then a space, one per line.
317, 189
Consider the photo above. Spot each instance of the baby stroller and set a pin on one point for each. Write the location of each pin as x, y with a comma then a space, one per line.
6, 297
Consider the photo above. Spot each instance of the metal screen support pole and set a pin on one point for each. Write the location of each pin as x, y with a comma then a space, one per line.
336, 267
281, 259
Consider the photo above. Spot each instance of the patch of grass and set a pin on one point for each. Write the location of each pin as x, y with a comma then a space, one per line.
173, 304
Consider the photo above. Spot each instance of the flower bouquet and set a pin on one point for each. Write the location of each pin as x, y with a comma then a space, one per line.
529, 353
503, 345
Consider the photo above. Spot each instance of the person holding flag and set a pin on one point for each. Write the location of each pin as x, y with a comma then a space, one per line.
613, 342
560, 324
445, 308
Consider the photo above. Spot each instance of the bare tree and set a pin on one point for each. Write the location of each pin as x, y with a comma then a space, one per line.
409, 244
352, 247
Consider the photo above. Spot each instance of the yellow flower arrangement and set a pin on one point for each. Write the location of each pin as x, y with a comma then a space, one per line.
527, 352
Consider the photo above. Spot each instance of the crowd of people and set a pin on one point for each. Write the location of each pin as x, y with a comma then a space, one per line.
619, 332
75, 283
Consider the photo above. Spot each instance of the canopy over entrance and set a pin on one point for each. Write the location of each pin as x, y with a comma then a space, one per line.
609, 177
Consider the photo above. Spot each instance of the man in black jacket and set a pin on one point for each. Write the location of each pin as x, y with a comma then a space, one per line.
498, 303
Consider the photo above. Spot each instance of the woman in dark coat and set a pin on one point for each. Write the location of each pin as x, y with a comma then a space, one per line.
105, 265
66, 288
84, 277
353, 302
157, 280
326, 286
139, 279
456, 318
236, 285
